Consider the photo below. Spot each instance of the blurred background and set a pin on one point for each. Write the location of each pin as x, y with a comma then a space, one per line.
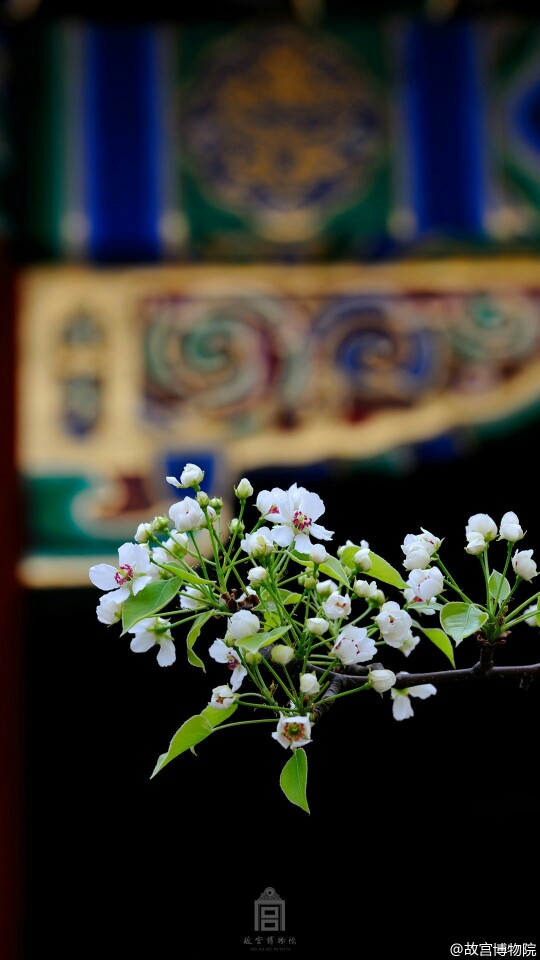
297, 242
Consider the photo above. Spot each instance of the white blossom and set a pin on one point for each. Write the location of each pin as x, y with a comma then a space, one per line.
408, 643
317, 553
282, 654
191, 475
362, 557
143, 532
192, 598
426, 584
370, 591
243, 624
187, 515
109, 608
135, 569
337, 606
257, 575
402, 706
510, 528
309, 684
317, 625
523, 564
394, 623
221, 653
482, 523
244, 489
381, 680
476, 543
294, 514
223, 697
532, 620
151, 632
293, 732
258, 544
354, 646
326, 587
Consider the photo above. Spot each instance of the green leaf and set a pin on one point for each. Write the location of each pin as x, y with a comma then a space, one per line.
191, 732
498, 586
293, 779
288, 598
441, 640
379, 570
333, 568
460, 620
215, 716
255, 641
179, 571
151, 599
192, 636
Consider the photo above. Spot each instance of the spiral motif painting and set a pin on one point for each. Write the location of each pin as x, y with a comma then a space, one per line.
229, 358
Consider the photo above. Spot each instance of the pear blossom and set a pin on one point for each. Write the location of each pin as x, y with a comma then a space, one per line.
294, 519
282, 654
187, 515
354, 646
244, 489
293, 732
109, 608
326, 587
402, 706
381, 680
482, 523
151, 632
317, 625
267, 500
223, 697
221, 653
143, 532
532, 620
243, 624
426, 583
408, 643
336, 606
259, 543
394, 623
523, 564
476, 543
510, 528
411, 598
370, 591
176, 545
191, 475
135, 569
362, 558
192, 598
309, 684
317, 553
257, 575
419, 548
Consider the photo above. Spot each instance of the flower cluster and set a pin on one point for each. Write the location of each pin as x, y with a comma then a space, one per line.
287, 617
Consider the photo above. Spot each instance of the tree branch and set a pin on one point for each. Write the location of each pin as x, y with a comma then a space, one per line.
357, 674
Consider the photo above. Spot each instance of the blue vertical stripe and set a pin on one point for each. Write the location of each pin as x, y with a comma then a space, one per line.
443, 107
123, 144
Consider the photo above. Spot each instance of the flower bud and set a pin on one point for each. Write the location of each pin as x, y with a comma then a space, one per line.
256, 576
318, 553
317, 625
282, 654
203, 499
216, 503
309, 582
244, 489
143, 533
236, 525
523, 564
362, 559
381, 680
191, 475
160, 525
309, 684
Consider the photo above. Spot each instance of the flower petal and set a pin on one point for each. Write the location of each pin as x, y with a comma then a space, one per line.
103, 575
142, 643
167, 653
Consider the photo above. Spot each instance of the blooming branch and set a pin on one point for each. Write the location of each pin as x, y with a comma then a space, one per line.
296, 627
